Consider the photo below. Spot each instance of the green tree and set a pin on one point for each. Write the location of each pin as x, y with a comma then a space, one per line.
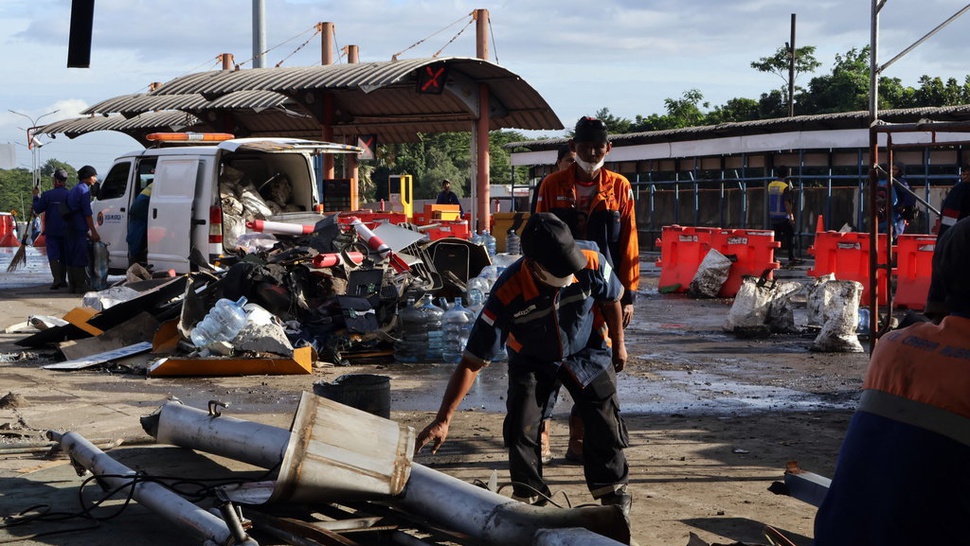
15, 192
734, 110
779, 63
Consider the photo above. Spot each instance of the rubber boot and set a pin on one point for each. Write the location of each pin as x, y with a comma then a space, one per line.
576, 432
77, 277
546, 452
58, 271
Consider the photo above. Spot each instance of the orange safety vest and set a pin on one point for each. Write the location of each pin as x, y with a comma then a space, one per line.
558, 191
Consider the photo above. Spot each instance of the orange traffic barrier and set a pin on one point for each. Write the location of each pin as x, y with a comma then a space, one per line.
8, 230
914, 265
846, 255
682, 249
755, 252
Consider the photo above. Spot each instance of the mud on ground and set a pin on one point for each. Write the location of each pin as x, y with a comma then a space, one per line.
713, 420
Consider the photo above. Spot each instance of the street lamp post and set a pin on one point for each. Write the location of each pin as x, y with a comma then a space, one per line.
32, 145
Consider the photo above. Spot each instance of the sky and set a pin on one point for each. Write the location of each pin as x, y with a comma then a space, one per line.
624, 55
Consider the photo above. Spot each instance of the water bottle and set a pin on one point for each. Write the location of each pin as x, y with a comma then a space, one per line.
480, 284
489, 241
412, 332
476, 238
432, 315
863, 326
476, 301
222, 323
457, 325
513, 243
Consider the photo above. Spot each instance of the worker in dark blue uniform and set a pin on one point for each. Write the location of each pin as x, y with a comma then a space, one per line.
558, 312
81, 229
53, 204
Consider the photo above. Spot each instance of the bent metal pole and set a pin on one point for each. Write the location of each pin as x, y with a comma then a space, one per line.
153, 496
487, 516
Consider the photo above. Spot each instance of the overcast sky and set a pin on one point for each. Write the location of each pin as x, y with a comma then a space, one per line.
625, 55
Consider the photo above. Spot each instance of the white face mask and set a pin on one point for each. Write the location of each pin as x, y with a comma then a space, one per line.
550, 279
589, 168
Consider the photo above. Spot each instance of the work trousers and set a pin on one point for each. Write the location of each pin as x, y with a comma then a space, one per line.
604, 463
56, 248
77, 250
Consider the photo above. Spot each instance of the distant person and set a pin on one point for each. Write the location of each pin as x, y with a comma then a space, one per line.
81, 229
888, 205
53, 205
905, 207
899, 477
137, 237
565, 158
554, 310
448, 197
781, 212
955, 207
597, 204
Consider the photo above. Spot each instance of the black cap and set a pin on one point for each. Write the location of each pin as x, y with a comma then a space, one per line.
590, 130
60, 174
86, 171
951, 261
547, 240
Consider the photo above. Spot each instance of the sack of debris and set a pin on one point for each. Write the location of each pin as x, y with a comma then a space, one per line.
763, 306
711, 275
834, 305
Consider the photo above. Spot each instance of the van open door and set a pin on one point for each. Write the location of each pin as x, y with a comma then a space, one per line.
170, 225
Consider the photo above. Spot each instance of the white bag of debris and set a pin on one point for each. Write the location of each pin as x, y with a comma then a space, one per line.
253, 203
763, 306
837, 305
263, 333
108, 298
711, 275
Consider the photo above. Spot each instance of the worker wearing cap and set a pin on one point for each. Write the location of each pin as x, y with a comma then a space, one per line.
80, 228
598, 206
449, 197
53, 205
557, 310
899, 478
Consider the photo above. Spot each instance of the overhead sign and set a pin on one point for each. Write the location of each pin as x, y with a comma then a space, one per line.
369, 144
432, 78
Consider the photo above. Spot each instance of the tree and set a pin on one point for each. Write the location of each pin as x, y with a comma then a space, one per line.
779, 63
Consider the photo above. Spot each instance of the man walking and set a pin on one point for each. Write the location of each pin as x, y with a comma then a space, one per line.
597, 204
781, 212
553, 309
81, 229
53, 204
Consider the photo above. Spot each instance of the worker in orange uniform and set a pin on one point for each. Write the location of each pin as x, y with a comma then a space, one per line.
899, 478
597, 204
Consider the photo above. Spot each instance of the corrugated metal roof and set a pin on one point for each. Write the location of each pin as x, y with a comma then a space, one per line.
136, 126
839, 120
369, 98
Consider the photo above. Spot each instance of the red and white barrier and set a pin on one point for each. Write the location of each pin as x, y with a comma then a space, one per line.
282, 228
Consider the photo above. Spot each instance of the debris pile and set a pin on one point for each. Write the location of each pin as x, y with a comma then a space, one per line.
329, 292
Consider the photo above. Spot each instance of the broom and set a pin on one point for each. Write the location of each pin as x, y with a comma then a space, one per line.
20, 258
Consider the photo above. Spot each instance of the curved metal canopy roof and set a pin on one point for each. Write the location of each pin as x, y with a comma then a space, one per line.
361, 98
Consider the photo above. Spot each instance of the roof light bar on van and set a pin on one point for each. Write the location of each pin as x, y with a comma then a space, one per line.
189, 137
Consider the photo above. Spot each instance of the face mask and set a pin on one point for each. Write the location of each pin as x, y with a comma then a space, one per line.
550, 279
589, 168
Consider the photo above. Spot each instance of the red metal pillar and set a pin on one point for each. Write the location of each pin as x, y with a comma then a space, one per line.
326, 59
481, 126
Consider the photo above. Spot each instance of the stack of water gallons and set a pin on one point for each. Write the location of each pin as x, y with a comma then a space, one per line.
457, 325
421, 338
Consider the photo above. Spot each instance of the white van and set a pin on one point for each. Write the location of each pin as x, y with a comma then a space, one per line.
191, 185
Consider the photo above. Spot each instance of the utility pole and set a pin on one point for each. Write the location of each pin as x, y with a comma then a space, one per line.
259, 33
791, 70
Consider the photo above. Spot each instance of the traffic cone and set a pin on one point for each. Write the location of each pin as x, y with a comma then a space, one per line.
820, 225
